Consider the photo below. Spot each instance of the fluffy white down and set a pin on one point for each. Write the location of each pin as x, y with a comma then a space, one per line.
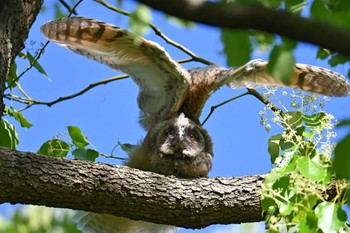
104, 223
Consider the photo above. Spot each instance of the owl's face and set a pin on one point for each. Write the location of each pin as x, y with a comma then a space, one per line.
181, 148
177, 147
182, 138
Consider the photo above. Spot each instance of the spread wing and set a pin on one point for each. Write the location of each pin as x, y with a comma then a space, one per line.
104, 223
304, 77
162, 81
254, 74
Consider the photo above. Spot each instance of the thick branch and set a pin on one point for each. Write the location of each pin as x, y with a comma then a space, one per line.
32, 179
254, 16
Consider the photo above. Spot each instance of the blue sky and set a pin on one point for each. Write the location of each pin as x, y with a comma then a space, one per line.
109, 113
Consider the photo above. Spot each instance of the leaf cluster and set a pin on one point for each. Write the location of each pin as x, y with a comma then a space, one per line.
294, 192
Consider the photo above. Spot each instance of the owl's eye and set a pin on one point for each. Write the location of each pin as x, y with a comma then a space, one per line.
193, 137
170, 133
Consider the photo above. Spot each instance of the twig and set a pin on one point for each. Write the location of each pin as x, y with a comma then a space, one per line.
31, 102
113, 157
41, 51
265, 101
66, 5
252, 92
160, 34
22, 91
214, 107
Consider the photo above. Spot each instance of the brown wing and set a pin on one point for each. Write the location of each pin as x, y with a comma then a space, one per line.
162, 81
304, 77
204, 81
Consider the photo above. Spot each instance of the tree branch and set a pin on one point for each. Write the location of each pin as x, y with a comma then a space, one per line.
256, 16
28, 178
32, 179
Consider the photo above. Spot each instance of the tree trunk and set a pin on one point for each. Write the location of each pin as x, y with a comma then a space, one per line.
16, 18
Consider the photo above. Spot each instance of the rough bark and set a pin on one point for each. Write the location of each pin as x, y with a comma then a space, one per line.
256, 16
28, 178
16, 18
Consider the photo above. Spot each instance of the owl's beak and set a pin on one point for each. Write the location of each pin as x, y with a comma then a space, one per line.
178, 146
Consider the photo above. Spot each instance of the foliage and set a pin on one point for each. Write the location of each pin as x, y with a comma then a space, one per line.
294, 195
38, 219
59, 148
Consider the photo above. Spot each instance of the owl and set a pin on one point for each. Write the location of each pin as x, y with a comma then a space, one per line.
171, 99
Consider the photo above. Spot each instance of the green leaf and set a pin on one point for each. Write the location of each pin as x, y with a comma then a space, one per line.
282, 184
274, 147
140, 19
309, 223
286, 208
323, 53
19, 117
309, 134
285, 145
77, 136
314, 120
273, 3
128, 148
54, 148
293, 119
295, 6
22, 55
290, 166
337, 59
263, 41
267, 203
331, 217
8, 135
237, 46
342, 158
270, 179
12, 76
85, 154
319, 10
281, 64
311, 169
36, 64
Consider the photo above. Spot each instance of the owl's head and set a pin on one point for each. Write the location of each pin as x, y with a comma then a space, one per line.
179, 147
182, 138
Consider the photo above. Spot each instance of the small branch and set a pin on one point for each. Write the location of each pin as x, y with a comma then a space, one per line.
214, 107
160, 34
67, 6
113, 157
22, 91
31, 102
252, 92
256, 16
265, 101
